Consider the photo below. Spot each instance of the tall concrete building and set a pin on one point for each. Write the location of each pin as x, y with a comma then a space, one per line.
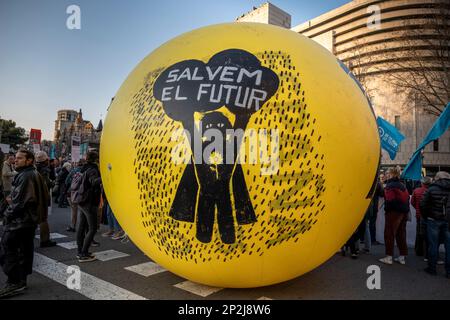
385, 43
267, 13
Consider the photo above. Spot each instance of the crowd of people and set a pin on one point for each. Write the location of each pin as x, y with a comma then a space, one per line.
30, 181
28, 185
432, 205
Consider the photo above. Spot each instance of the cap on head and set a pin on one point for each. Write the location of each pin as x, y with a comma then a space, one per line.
67, 166
41, 156
426, 181
442, 175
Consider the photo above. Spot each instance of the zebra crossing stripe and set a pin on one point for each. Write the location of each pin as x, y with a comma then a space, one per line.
90, 286
146, 269
198, 289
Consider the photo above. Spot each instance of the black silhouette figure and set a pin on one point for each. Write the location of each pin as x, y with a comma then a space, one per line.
213, 183
214, 177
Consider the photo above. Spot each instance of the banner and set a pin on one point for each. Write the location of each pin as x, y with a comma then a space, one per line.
84, 149
390, 137
35, 136
76, 143
413, 169
53, 151
36, 147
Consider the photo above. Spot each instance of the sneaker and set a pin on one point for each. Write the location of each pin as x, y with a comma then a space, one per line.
12, 289
425, 260
125, 239
400, 260
118, 235
48, 244
71, 229
429, 271
108, 234
440, 262
87, 258
95, 243
79, 255
386, 260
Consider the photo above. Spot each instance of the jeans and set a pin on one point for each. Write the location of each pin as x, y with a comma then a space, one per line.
87, 228
421, 245
435, 230
112, 221
16, 254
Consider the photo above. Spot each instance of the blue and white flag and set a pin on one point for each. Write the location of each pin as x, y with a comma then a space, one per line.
390, 137
413, 169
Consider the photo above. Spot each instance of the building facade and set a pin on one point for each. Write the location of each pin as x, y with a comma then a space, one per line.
395, 48
267, 13
70, 123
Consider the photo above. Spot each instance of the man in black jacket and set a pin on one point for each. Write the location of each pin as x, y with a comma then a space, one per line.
27, 202
435, 208
87, 227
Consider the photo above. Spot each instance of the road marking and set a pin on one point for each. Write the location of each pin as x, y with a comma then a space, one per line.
91, 287
198, 289
68, 245
53, 236
109, 255
146, 269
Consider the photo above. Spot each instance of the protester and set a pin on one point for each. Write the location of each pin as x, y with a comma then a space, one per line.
44, 171
55, 164
27, 203
435, 208
396, 209
88, 207
73, 176
373, 214
8, 174
61, 181
421, 246
115, 230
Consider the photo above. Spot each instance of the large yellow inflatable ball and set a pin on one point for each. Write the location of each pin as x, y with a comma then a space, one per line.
239, 155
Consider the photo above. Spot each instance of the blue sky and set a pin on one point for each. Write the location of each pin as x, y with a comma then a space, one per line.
45, 67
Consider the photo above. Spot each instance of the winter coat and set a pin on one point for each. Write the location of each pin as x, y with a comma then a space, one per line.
30, 199
8, 174
396, 197
434, 200
416, 198
92, 174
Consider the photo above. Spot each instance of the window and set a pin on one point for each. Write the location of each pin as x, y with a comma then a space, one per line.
436, 145
397, 122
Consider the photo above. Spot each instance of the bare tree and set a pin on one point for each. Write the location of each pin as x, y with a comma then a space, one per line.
421, 68
359, 62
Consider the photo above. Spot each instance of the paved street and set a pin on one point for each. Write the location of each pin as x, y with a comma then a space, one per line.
126, 273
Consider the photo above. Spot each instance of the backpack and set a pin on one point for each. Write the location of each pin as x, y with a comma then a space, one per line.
78, 188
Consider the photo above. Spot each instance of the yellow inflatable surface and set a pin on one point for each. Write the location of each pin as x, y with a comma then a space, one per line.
239, 155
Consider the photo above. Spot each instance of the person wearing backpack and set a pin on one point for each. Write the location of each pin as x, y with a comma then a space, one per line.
72, 181
435, 207
87, 196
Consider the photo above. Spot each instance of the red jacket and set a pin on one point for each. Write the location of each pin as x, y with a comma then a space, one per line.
417, 197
